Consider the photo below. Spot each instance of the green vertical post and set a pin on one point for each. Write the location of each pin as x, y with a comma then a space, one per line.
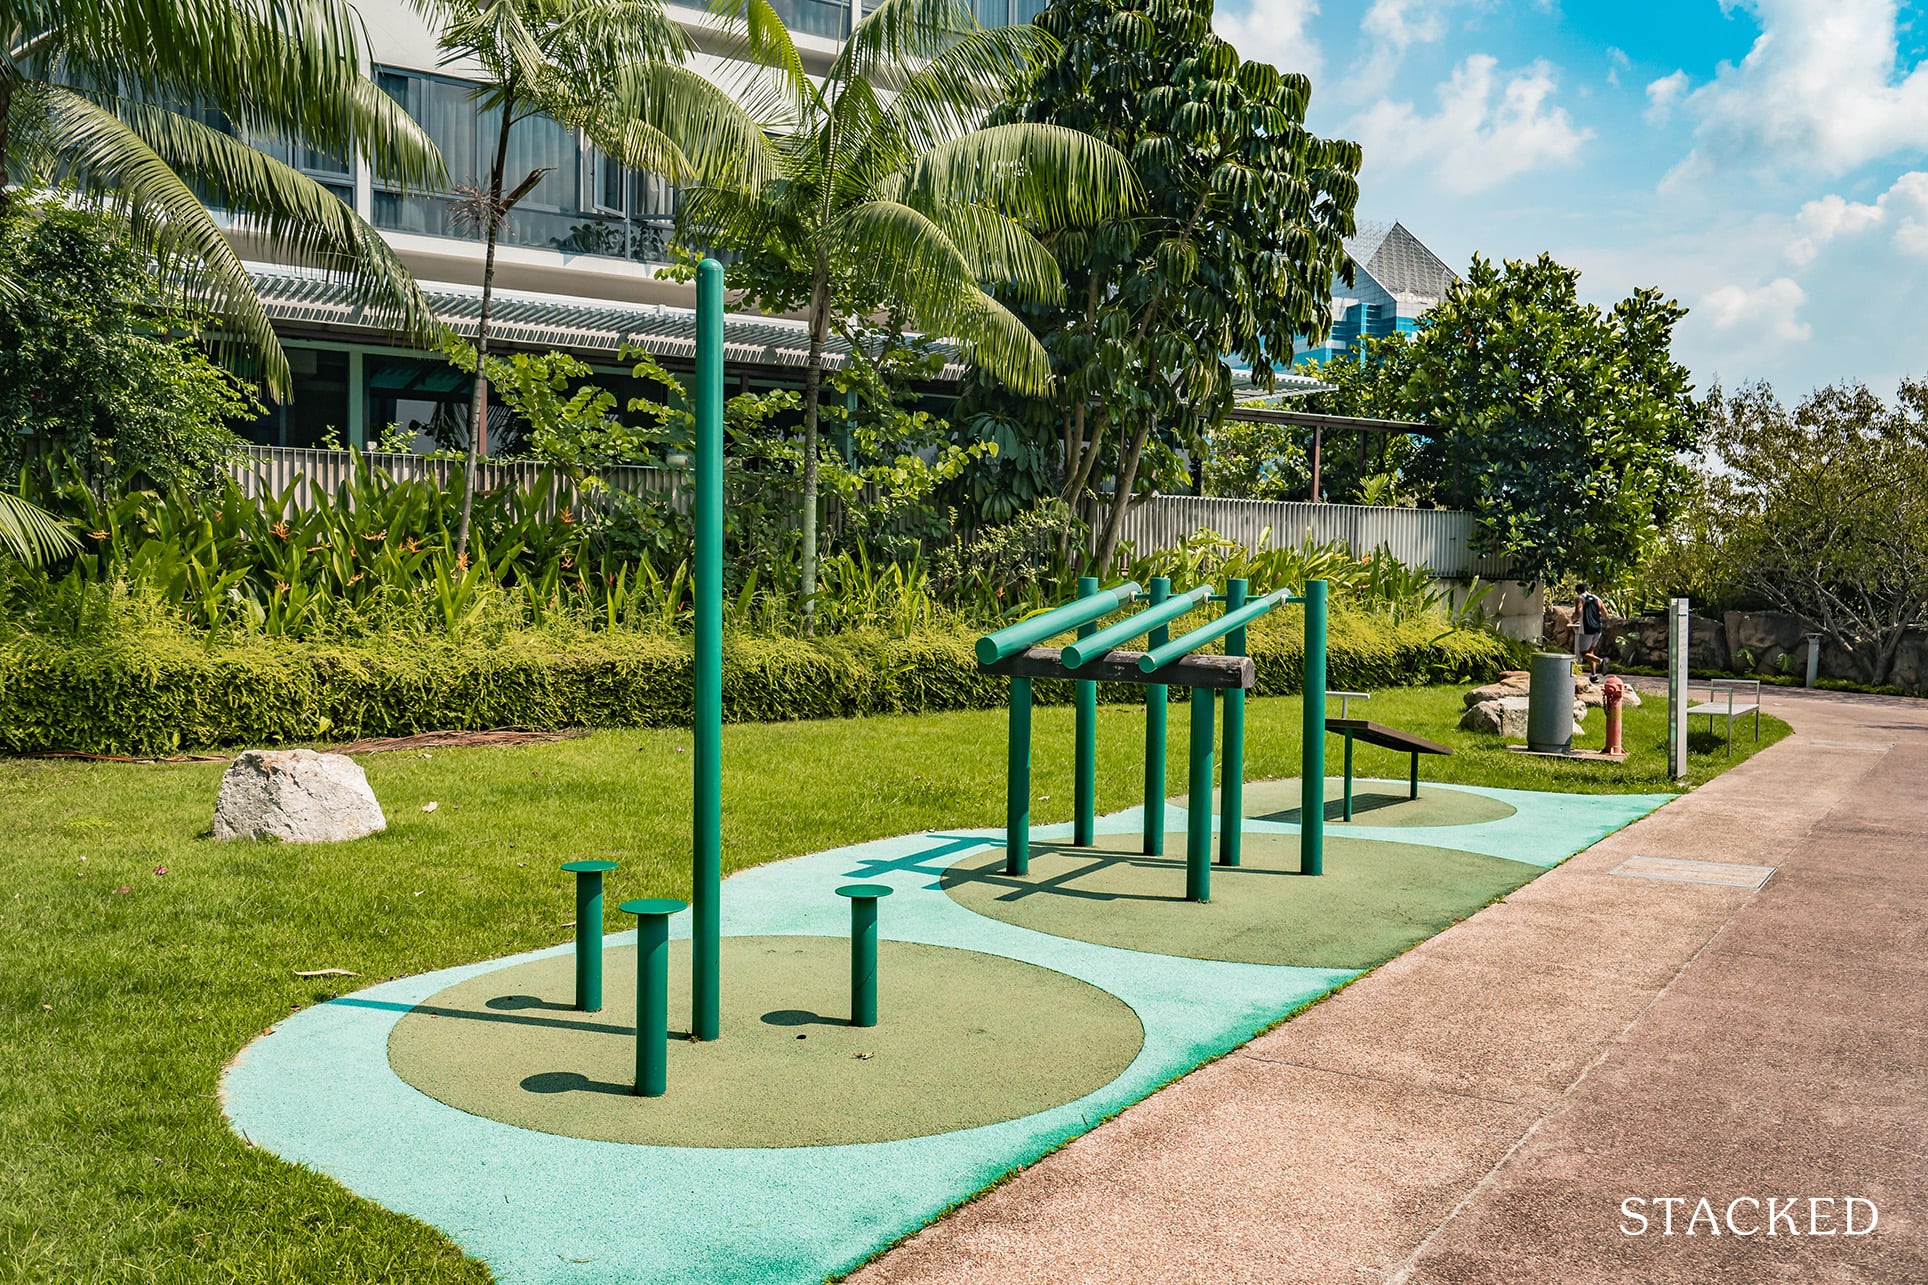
652, 991
863, 949
1348, 808
1084, 790
589, 931
1017, 782
707, 848
1231, 772
1157, 710
1198, 804
1312, 765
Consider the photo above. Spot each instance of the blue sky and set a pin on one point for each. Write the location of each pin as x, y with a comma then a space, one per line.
1763, 161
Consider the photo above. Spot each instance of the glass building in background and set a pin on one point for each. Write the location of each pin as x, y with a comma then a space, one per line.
1396, 281
575, 267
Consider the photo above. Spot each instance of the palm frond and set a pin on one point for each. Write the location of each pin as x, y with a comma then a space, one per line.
952, 93
32, 534
897, 37
759, 39
1001, 345
715, 136
1001, 251
1046, 175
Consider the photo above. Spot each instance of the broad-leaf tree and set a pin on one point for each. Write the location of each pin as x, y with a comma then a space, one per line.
611, 68
149, 105
891, 194
1230, 258
1561, 426
1824, 511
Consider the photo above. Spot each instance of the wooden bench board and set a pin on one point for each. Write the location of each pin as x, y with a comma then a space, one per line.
1389, 738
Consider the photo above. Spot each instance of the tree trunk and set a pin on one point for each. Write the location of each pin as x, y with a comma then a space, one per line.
1121, 499
812, 395
479, 400
6, 141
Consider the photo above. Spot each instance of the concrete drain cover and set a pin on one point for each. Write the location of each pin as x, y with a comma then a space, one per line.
1675, 870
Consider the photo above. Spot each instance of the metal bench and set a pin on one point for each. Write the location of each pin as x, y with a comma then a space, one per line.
1743, 697
1389, 738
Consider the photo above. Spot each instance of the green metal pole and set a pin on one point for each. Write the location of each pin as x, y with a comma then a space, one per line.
1312, 767
652, 992
589, 931
1085, 788
1157, 711
1348, 809
707, 862
1231, 773
1198, 805
1017, 782
863, 949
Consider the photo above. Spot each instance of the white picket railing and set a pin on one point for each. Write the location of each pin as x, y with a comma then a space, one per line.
1438, 539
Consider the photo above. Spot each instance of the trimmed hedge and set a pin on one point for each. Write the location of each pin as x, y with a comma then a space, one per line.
154, 696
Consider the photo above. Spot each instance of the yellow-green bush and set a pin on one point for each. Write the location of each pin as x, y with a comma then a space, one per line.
156, 694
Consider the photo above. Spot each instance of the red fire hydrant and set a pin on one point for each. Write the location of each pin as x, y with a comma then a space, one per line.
1612, 692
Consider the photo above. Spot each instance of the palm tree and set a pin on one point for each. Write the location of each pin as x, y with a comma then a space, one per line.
116, 97
31, 534
607, 67
889, 192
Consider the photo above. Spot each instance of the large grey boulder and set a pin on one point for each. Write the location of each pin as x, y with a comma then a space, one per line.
296, 796
1506, 716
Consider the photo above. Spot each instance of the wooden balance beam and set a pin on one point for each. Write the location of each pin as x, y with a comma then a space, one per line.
1388, 738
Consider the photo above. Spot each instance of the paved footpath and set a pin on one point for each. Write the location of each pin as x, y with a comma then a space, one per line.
1479, 1108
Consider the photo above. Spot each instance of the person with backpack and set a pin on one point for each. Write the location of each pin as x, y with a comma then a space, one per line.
1589, 623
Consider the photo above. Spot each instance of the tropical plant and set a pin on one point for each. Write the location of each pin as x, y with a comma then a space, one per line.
1230, 257
99, 361
609, 68
152, 105
32, 534
1559, 425
888, 193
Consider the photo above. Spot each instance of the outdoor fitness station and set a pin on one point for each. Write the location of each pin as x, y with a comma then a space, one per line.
1168, 662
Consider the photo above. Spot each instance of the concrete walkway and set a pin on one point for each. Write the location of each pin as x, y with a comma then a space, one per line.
1480, 1108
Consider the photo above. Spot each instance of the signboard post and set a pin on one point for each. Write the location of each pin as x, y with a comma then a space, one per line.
1679, 635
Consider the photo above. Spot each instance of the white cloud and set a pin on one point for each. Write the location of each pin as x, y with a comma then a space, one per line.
1487, 129
1771, 309
1393, 27
1273, 31
1821, 91
1903, 207
1663, 95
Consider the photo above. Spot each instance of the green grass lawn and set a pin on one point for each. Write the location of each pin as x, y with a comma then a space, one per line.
124, 990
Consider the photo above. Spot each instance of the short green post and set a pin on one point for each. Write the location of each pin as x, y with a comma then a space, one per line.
707, 727
1198, 804
589, 931
1231, 772
652, 991
1017, 782
1157, 709
1348, 809
1312, 764
1084, 790
863, 949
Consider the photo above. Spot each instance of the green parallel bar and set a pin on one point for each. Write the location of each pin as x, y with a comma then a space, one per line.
1198, 804
1084, 790
1012, 639
1312, 767
863, 949
707, 728
589, 931
1414, 792
1153, 620
652, 992
1017, 782
1231, 772
1348, 775
1157, 708
1159, 657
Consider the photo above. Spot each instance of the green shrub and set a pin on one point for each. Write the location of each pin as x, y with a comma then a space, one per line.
157, 693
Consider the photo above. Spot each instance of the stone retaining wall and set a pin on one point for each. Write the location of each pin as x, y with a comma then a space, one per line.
1728, 643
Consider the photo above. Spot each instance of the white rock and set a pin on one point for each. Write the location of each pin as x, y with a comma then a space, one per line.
296, 796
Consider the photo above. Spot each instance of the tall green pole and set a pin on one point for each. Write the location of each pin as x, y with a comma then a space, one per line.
1198, 804
1017, 782
707, 863
1157, 710
1312, 768
1231, 773
1085, 788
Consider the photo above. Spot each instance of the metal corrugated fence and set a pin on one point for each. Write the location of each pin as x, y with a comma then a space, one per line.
1438, 539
